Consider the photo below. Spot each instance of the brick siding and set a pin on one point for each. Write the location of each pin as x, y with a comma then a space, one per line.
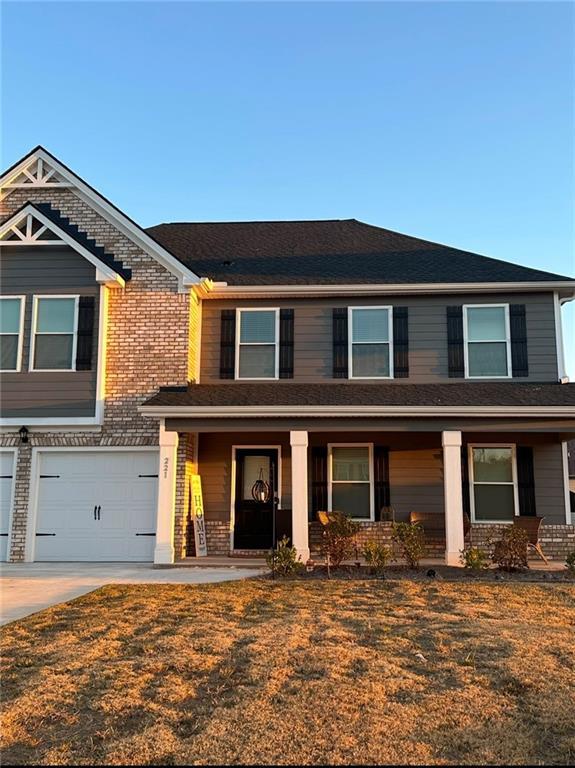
149, 345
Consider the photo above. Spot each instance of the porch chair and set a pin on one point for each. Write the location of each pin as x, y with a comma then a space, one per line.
532, 526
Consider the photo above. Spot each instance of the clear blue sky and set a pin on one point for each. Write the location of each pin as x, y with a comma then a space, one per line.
450, 121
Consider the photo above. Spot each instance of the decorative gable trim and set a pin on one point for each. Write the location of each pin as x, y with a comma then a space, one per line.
38, 173
41, 225
40, 169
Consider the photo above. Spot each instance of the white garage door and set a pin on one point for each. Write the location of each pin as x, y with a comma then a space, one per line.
97, 505
6, 484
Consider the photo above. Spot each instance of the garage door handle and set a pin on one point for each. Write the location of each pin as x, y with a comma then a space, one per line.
145, 534
45, 534
99, 508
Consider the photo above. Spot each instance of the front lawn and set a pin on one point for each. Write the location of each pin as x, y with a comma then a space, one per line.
295, 672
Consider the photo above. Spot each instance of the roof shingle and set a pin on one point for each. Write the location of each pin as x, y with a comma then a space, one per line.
329, 252
238, 394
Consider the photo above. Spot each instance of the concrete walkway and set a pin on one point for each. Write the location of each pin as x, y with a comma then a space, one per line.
26, 588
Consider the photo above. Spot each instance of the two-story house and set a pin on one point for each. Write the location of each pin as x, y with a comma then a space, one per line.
355, 368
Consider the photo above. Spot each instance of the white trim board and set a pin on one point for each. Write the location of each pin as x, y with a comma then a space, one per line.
14, 452
217, 290
565, 460
559, 341
106, 209
344, 411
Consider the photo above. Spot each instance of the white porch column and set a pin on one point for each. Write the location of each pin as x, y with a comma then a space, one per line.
453, 498
164, 551
299, 491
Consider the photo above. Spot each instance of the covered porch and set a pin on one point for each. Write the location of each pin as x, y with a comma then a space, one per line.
372, 469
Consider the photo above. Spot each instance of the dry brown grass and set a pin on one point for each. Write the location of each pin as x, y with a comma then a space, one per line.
295, 672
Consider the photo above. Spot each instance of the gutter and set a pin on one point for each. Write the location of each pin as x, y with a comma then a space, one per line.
219, 290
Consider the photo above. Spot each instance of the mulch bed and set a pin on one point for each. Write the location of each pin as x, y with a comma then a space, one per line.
430, 573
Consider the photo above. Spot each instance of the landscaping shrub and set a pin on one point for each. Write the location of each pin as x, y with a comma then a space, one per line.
474, 558
285, 559
510, 553
339, 537
411, 541
570, 562
377, 556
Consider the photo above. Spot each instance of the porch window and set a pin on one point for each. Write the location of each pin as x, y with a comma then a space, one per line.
257, 355
370, 341
11, 332
487, 337
350, 487
54, 324
493, 478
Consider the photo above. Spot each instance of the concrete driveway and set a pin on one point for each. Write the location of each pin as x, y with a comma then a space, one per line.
26, 588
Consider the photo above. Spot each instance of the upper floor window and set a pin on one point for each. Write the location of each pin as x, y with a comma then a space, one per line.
257, 355
487, 341
54, 337
11, 332
371, 343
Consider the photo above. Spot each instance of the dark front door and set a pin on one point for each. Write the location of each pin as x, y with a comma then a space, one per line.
254, 520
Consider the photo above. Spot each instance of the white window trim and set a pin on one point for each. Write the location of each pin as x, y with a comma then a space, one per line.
33, 332
239, 344
351, 342
466, 341
235, 449
472, 483
369, 446
20, 334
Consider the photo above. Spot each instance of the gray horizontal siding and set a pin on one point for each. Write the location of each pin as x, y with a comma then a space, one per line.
45, 271
427, 334
549, 479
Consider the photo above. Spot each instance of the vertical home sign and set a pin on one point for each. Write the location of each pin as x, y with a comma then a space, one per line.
198, 516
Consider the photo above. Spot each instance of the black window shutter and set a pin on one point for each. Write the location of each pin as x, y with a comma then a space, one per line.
518, 328
455, 342
381, 479
340, 331
318, 479
526, 481
400, 343
228, 344
465, 481
85, 339
286, 343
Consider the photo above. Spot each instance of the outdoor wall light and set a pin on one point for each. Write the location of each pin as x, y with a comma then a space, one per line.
23, 432
261, 490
